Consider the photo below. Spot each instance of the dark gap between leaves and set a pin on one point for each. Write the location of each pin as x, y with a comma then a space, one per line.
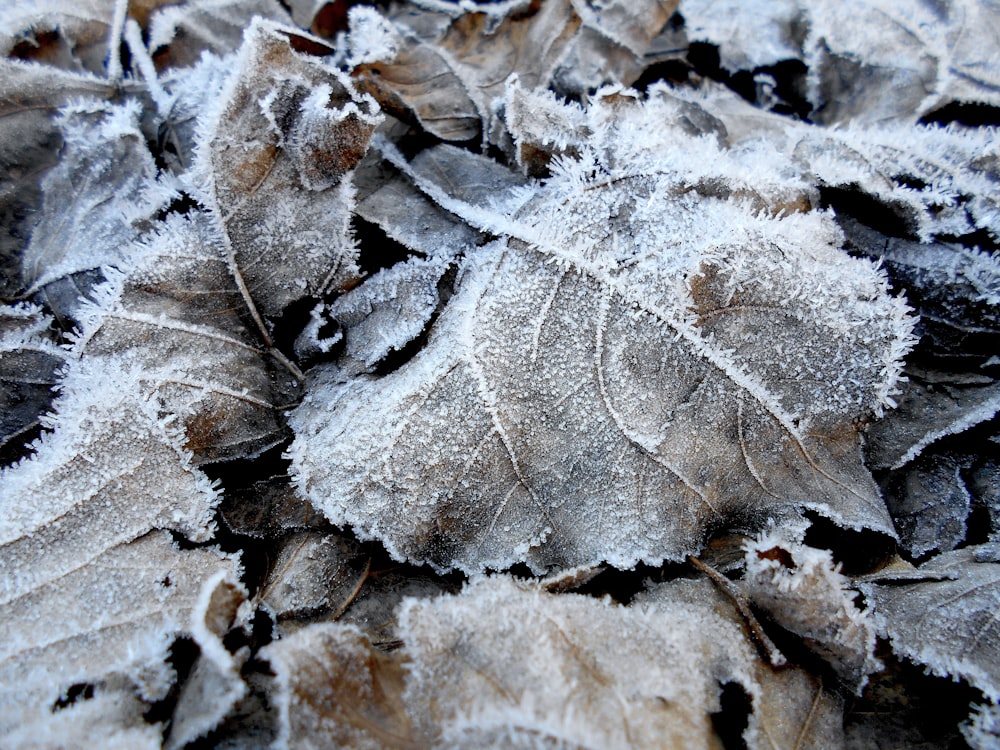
789, 78
182, 205
858, 552
287, 327
868, 210
980, 239
376, 249
183, 654
81, 691
903, 700
733, 716
970, 114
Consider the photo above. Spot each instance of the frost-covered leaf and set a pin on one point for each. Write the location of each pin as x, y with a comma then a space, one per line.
451, 63
93, 590
982, 731
930, 504
953, 287
334, 690
274, 168
215, 684
49, 31
927, 182
949, 626
803, 591
408, 217
644, 357
180, 32
506, 665
94, 203
190, 91
387, 311
869, 60
29, 146
175, 311
984, 484
316, 573
931, 407
29, 361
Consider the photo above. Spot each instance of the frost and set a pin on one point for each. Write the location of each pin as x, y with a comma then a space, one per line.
94, 203
450, 73
805, 593
184, 31
273, 166
29, 362
197, 357
609, 381
388, 311
871, 60
950, 626
506, 665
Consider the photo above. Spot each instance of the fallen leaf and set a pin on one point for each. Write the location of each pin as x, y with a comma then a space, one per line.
948, 626
610, 381
175, 311
29, 362
274, 169
95, 202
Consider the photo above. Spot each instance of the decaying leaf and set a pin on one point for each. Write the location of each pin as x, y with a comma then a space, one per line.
180, 32
29, 361
930, 504
450, 65
29, 145
802, 590
94, 204
506, 665
175, 311
932, 406
609, 381
867, 59
950, 626
215, 684
48, 31
274, 168
336, 691
94, 592
316, 573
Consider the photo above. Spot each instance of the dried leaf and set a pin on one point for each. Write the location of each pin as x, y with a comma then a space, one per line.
949, 626
215, 685
92, 591
506, 665
930, 409
870, 60
450, 72
94, 204
930, 504
48, 31
180, 32
274, 168
316, 573
955, 287
29, 361
336, 691
804, 592
29, 146
610, 381
175, 311
388, 311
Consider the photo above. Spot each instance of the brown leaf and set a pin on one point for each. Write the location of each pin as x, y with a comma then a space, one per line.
274, 167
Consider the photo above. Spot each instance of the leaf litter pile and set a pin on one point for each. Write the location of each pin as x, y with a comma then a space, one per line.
522, 374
